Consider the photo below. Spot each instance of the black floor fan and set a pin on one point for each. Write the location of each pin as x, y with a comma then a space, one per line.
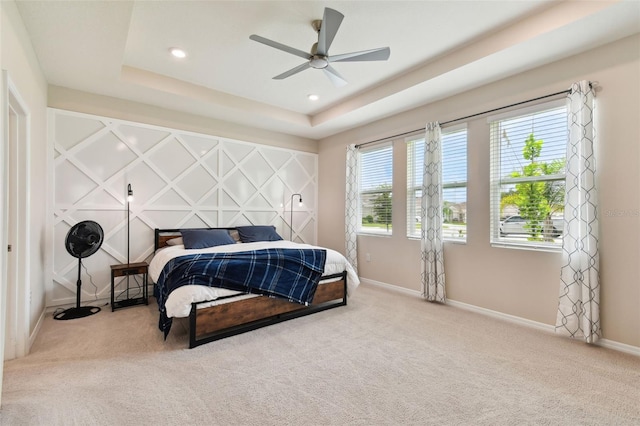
83, 240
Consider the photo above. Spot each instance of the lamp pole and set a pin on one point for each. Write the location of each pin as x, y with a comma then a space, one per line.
129, 200
291, 217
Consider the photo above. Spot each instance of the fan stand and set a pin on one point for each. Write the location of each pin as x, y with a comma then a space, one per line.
78, 311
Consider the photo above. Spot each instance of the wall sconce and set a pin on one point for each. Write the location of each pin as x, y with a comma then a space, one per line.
291, 218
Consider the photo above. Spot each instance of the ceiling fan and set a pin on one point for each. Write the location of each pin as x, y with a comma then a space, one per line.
319, 57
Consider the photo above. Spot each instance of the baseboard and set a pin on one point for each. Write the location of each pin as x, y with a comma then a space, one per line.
36, 330
605, 343
621, 347
101, 302
392, 287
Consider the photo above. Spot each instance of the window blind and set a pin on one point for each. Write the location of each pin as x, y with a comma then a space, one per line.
528, 149
376, 182
454, 183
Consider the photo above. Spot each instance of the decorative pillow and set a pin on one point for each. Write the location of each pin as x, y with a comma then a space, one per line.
175, 242
203, 238
251, 234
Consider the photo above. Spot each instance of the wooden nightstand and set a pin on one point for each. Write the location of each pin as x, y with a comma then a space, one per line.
126, 270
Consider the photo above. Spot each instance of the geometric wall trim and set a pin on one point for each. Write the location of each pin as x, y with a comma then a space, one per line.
179, 179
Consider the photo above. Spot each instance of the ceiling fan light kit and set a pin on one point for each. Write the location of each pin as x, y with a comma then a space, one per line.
318, 57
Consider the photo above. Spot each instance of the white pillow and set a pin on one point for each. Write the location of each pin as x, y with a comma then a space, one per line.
175, 242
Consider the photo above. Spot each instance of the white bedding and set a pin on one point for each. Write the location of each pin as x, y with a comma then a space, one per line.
179, 302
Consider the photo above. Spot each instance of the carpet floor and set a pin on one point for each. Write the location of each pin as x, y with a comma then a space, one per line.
385, 359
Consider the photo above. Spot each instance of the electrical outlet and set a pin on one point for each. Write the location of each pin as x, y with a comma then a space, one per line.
368, 257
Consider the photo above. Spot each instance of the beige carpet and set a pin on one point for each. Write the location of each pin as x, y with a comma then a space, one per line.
385, 359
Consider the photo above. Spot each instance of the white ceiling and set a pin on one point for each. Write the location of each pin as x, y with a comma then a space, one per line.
438, 48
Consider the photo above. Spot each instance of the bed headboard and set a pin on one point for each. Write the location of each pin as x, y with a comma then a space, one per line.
163, 235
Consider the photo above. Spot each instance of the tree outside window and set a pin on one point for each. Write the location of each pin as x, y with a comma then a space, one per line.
382, 207
537, 200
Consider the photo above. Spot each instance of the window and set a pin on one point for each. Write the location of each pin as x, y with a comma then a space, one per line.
454, 183
528, 149
376, 179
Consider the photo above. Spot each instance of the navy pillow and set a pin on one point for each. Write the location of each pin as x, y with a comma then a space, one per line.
203, 238
251, 234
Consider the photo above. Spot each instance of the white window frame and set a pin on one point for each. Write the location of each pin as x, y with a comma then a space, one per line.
413, 209
361, 184
496, 239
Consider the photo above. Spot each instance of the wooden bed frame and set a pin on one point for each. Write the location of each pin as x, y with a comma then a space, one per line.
207, 324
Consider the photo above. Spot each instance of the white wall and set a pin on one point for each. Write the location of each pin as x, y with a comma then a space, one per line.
179, 179
19, 59
515, 282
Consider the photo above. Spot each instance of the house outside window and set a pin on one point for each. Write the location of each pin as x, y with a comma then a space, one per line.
376, 182
454, 183
528, 150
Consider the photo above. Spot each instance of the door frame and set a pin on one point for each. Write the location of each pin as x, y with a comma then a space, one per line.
15, 172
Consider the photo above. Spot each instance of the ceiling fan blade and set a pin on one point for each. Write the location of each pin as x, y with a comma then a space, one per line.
280, 46
334, 76
292, 71
380, 54
331, 21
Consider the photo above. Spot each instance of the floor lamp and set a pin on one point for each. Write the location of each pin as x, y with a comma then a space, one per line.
129, 200
291, 218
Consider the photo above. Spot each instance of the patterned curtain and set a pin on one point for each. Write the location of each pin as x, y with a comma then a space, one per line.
578, 307
351, 207
431, 234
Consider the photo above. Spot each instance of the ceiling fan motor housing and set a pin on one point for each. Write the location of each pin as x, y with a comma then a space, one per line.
318, 62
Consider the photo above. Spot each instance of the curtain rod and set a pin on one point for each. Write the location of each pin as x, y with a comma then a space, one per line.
470, 116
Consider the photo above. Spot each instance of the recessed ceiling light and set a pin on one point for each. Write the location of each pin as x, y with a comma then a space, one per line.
178, 53
313, 97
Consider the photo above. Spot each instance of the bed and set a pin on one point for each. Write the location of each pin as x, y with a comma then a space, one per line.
216, 307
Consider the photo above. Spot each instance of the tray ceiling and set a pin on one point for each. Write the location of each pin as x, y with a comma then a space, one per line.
438, 48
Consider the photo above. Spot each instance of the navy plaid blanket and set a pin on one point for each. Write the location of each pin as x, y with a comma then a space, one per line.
292, 274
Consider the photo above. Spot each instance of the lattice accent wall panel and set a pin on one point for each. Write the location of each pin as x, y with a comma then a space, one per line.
179, 179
